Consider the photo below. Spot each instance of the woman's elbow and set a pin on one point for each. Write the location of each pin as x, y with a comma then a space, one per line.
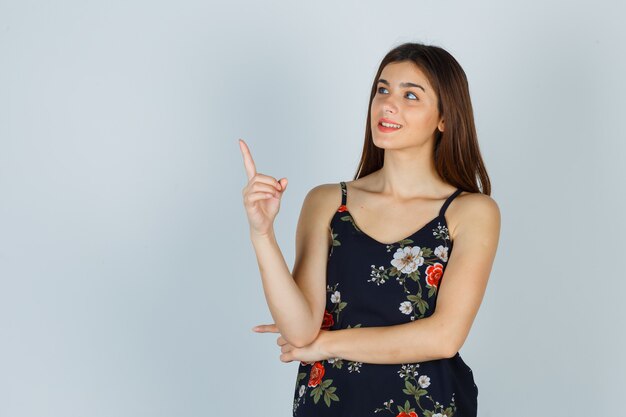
303, 339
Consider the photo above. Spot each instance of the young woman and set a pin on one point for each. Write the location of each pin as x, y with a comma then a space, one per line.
368, 310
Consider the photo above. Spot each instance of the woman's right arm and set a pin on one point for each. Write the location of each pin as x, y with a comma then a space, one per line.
297, 300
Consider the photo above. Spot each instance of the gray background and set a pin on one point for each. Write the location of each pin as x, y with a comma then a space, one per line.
128, 284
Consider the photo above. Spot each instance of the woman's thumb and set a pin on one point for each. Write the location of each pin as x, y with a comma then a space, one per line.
283, 184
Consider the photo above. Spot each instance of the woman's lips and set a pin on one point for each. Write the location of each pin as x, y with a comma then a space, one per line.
387, 129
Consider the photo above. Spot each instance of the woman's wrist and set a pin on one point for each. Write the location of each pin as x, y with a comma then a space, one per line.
324, 343
269, 235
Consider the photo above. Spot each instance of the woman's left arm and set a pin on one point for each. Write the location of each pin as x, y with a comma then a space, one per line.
441, 335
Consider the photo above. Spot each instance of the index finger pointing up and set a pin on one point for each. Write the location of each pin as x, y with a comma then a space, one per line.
247, 159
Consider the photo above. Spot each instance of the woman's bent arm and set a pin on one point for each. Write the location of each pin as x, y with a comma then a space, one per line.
443, 333
297, 301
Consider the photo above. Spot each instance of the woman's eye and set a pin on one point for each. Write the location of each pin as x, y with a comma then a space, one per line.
383, 88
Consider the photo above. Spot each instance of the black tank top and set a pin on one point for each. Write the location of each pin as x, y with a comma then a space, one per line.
371, 283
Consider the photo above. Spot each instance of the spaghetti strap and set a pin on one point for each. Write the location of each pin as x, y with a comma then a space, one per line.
344, 193
449, 200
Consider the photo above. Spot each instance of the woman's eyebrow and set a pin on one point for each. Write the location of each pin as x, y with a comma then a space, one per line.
381, 80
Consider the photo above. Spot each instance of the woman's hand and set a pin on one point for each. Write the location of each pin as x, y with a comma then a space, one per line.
312, 352
261, 196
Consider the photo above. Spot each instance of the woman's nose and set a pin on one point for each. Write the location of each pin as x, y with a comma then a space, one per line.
389, 108
389, 105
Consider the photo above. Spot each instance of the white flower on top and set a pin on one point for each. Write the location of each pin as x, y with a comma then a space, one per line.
406, 307
424, 381
335, 297
302, 389
408, 259
442, 253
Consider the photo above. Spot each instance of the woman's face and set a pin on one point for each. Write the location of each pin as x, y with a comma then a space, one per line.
404, 97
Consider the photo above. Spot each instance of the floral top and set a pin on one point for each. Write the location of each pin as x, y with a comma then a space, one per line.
370, 283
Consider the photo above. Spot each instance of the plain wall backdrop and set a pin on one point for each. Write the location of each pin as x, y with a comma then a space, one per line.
128, 283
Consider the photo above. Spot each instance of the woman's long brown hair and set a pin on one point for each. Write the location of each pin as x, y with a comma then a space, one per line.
456, 152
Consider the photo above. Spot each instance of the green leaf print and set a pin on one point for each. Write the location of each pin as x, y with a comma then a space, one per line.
421, 392
348, 218
327, 390
316, 393
410, 388
406, 409
327, 399
422, 306
432, 291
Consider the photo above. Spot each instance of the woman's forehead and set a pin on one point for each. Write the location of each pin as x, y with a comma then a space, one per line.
397, 73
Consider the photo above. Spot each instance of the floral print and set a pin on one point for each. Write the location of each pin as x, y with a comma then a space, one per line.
408, 259
406, 263
433, 275
317, 369
356, 293
415, 386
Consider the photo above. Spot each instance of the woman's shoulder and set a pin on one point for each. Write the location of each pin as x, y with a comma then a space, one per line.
324, 192
471, 201
331, 193
324, 198
473, 209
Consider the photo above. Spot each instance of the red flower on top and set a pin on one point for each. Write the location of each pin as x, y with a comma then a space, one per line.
411, 414
342, 208
433, 274
327, 321
317, 372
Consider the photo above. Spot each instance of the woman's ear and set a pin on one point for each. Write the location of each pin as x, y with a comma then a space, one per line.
441, 126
